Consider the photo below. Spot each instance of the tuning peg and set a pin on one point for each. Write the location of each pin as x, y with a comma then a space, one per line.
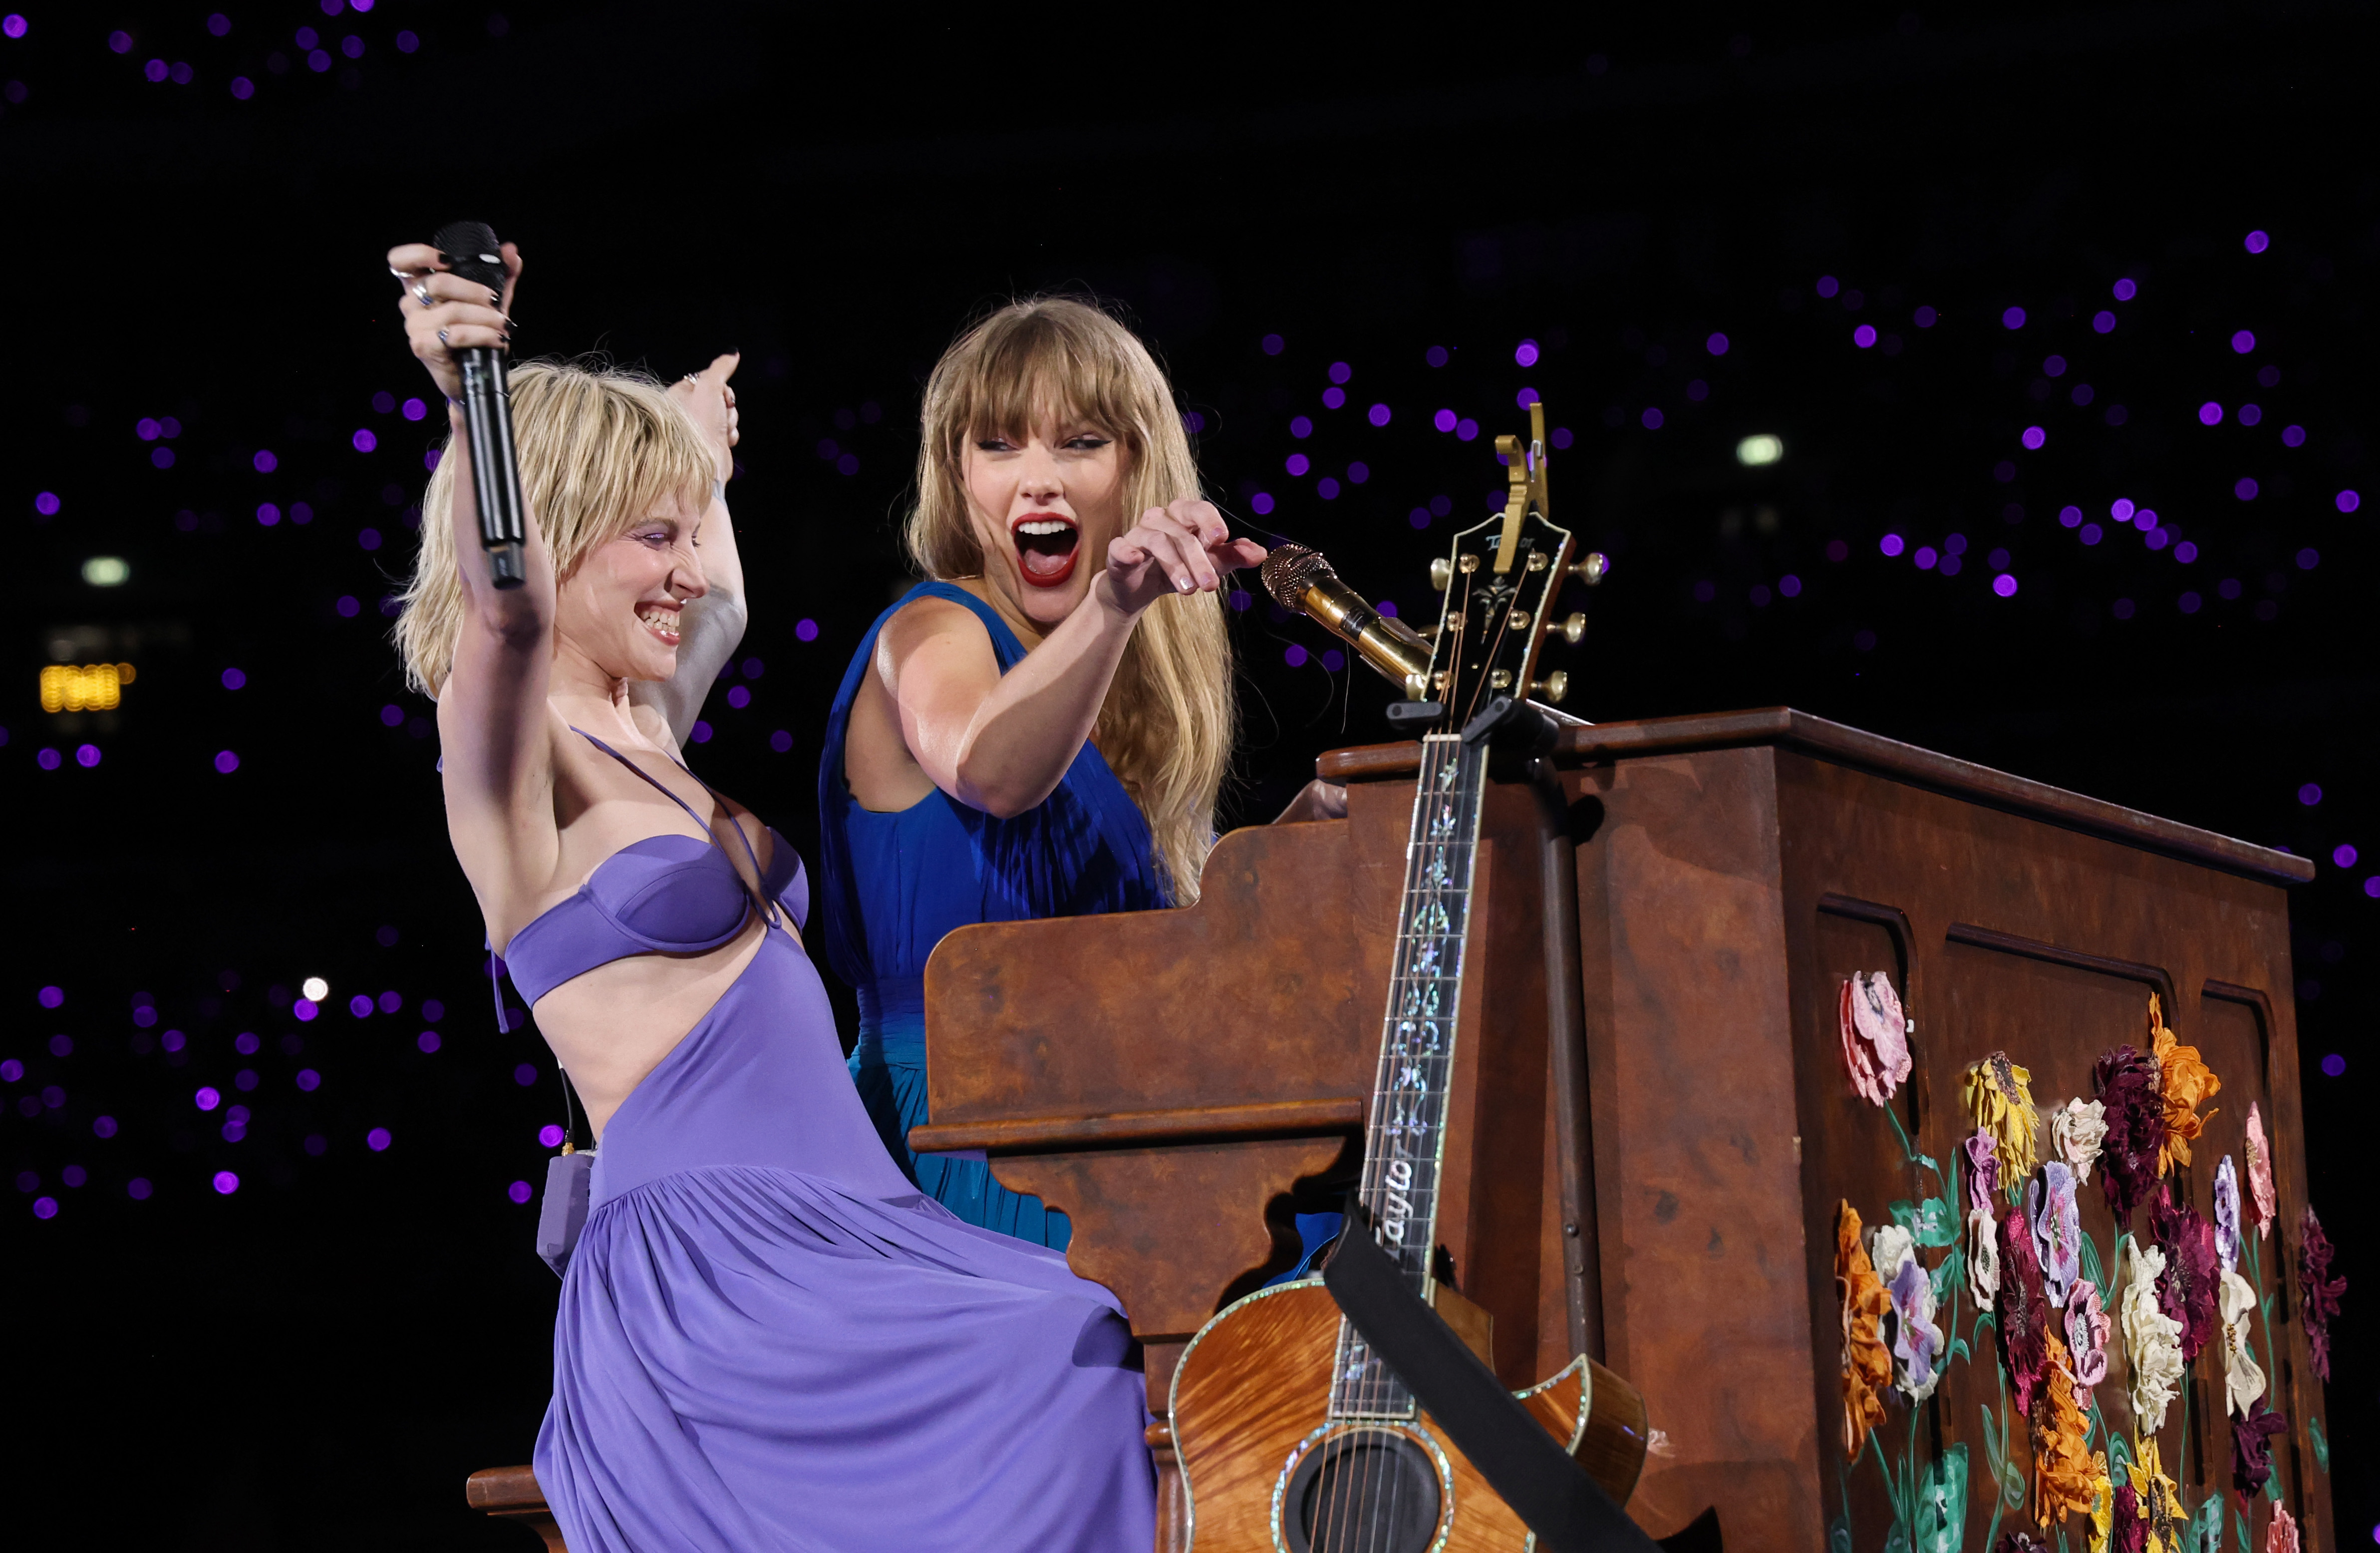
1441, 572
1572, 628
1590, 571
1551, 688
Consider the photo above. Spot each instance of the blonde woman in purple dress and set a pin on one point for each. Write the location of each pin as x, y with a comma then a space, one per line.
767, 1338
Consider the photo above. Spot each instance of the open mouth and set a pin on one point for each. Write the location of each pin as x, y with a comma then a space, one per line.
662, 622
1047, 545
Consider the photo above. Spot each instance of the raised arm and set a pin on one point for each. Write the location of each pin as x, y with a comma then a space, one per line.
496, 754
713, 625
1001, 743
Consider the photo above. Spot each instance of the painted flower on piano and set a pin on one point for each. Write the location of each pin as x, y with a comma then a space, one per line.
2088, 1327
2243, 1382
2024, 1312
2260, 1171
2160, 1495
2187, 1292
1876, 1035
1982, 1256
2252, 1447
2064, 1472
2057, 1229
1907, 1328
2226, 1214
2185, 1083
2129, 1531
2152, 1339
1999, 1099
1867, 1363
2320, 1290
1983, 1170
2077, 1130
2133, 1106
2281, 1535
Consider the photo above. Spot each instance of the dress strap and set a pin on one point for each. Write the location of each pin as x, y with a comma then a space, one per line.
757, 872
657, 785
768, 908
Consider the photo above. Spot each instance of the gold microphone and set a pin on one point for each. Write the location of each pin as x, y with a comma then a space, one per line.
1299, 579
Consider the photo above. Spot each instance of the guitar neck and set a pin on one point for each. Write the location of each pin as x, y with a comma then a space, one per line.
1405, 1140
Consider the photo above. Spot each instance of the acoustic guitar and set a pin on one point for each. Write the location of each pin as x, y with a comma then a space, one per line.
1294, 1437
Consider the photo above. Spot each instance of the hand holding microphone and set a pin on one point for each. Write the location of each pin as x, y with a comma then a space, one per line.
457, 307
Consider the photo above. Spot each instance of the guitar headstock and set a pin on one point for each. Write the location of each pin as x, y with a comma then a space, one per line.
1499, 583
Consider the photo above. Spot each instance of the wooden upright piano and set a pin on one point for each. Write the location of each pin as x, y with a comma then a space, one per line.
1179, 1083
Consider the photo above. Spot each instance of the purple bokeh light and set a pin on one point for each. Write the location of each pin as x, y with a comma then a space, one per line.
2126, 290
1863, 336
2347, 501
378, 1140
1274, 345
2257, 242
427, 1042
2034, 436
51, 997
2210, 414
1523, 355
2243, 342
2310, 795
549, 1136
2343, 855
519, 1192
2012, 319
1377, 415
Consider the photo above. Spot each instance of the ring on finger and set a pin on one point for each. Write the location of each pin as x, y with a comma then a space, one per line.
421, 295
442, 336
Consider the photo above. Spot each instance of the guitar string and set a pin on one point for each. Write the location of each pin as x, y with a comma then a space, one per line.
1348, 1500
1434, 752
1457, 849
1375, 1388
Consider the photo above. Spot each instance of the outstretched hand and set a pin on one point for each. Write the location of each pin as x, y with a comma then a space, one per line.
1182, 547
711, 404
444, 313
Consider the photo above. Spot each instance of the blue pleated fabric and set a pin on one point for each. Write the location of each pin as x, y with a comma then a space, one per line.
891, 885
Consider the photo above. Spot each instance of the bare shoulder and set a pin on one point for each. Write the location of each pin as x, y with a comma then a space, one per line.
939, 622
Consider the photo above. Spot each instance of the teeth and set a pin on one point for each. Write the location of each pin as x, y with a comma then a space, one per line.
665, 623
1046, 526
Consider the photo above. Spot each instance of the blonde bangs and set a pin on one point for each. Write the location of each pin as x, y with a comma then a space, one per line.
600, 449
1169, 722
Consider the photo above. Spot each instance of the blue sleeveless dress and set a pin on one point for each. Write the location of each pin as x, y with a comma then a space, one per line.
892, 884
767, 1338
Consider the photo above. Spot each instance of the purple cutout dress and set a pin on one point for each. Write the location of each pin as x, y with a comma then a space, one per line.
767, 1338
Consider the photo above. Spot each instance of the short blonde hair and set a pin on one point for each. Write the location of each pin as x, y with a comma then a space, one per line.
598, 449
1169, 722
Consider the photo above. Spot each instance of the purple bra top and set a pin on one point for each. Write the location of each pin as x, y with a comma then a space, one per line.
665, 894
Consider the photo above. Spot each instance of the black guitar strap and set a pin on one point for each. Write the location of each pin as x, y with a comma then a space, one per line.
1568, 1509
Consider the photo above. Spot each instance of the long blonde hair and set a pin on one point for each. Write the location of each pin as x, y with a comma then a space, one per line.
599, 448
1167, 725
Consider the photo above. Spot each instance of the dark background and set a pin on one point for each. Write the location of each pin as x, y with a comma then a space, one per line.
322, 1354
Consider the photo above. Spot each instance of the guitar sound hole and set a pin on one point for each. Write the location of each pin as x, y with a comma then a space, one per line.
1366, 1491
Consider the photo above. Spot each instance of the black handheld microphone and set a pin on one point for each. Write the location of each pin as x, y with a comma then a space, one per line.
469, 248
